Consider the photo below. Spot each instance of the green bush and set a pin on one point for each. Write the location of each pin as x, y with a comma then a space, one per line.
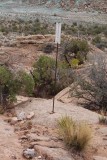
74, 63
94, 30
5, 75
8, 86
27, 83
96, 40
75, 135
12, 84
44, 76
101, 44
26, 27
105, 32
75, 49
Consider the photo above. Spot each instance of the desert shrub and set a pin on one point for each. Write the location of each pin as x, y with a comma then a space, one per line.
64, 27
92, 86
82, 28
26, 27
74, 63
8, 87
48, 48
75, 135
70, 29
12, 84
44, 76
74, 23
101, 44
96, 40
27, 83
105, 32
94, 30
77, 49
103, 118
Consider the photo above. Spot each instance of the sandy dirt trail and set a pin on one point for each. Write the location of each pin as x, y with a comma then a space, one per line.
10, 148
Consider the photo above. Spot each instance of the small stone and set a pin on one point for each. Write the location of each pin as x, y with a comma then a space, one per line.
14, 120
30, 115
39, 157
29, 153
21, 116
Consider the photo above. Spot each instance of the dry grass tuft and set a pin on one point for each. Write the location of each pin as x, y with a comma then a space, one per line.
103, 118
75, 135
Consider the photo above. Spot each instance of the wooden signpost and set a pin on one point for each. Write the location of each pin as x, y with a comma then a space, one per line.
57, 42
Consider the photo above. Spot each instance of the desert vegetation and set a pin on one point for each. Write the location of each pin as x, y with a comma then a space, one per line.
99, 42
43, 74
26, 27
75, 51
103, 117
12, 84
30, 90
76, 29
75, 135
92, 86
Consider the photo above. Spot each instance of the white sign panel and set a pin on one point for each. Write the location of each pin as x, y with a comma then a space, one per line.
58, 33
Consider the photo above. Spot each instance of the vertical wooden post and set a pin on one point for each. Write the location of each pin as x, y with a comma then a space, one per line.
57, 42
56, 68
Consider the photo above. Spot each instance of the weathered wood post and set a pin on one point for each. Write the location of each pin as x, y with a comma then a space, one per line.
57, 42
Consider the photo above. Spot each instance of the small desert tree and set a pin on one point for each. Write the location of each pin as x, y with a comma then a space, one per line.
92, 86
12, 84
44, 76
8, 86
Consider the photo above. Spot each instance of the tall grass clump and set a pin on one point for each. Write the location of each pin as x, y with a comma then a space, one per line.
75, 135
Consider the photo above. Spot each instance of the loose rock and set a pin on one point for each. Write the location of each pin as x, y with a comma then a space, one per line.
39, 157
21, 116
14, 120
29, 153
30, 115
